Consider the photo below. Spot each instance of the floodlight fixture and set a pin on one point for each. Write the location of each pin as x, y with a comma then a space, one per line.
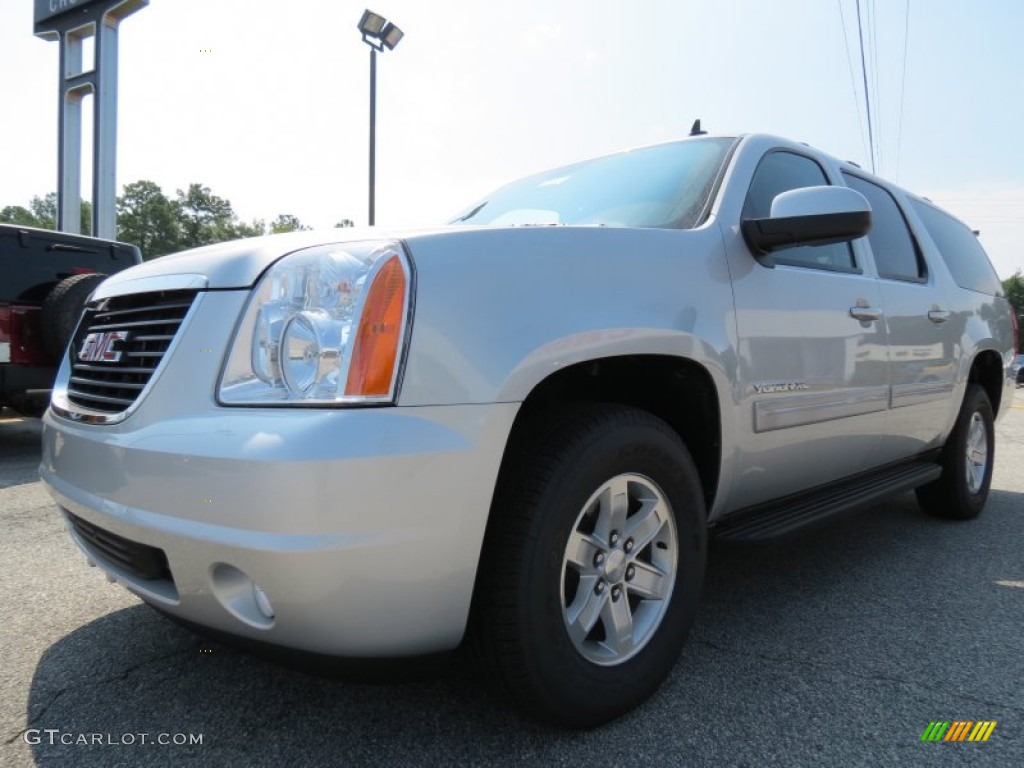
378, 32
371, 24
391, 36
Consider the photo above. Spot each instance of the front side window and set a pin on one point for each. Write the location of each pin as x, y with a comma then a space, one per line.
662, 186
894, 249
780, 172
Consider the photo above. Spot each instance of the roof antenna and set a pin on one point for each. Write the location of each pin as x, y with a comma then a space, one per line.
695, 129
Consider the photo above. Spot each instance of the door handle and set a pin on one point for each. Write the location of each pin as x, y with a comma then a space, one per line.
938, 315
865, 314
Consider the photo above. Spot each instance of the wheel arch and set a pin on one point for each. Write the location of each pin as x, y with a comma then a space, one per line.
678, 390
988, 373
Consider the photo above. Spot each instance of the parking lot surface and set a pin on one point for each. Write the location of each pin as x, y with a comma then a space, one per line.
838, 647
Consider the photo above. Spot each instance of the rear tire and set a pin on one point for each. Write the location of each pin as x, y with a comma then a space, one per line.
62, 308
961, 491
592, 567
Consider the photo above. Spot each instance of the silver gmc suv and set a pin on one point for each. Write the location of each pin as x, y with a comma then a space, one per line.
519, 430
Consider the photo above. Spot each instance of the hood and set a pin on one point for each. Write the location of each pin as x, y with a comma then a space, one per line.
238, 263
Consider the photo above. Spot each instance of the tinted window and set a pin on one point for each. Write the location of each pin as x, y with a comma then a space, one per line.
662, 186
780, 172
891, 243
961, 250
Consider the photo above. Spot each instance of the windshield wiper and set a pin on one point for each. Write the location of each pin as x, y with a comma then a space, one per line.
472, 213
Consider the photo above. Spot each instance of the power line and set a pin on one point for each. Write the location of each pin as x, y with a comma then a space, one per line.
903, 84
878, 88
867, 100
853, 80
872, 52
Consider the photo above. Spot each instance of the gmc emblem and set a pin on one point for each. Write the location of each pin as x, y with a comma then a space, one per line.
98, 347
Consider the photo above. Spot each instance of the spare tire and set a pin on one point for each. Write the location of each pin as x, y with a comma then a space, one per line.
62, 308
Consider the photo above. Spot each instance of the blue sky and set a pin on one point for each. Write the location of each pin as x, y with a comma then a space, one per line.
274, 116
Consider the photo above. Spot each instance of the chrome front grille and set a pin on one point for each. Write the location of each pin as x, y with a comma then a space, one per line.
119, 344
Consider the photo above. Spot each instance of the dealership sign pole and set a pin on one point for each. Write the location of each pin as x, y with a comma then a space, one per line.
70, 22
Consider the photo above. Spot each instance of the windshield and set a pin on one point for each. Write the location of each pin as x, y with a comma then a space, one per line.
663, 186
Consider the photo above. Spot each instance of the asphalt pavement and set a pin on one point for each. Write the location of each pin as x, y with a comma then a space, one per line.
838, 648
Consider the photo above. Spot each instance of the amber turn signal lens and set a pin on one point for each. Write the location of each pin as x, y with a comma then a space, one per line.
378, 337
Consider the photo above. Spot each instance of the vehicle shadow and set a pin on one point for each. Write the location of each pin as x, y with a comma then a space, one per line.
134, 672
780, 625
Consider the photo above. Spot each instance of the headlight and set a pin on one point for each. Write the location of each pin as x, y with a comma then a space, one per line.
324, 325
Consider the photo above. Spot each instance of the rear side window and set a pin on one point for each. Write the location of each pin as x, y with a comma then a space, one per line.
892, 245
960, 249
780, 172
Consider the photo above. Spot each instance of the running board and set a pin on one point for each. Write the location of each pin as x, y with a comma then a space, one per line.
793, 513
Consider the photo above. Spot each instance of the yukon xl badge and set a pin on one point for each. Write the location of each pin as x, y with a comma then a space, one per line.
99, 347
779, 386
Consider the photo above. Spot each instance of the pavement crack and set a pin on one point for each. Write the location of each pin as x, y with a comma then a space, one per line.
15, 737
119, 677
873, 678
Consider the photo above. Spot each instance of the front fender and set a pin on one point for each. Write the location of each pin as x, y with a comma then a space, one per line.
500, 310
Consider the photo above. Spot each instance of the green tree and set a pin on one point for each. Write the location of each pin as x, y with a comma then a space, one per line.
17, 214
344, 223
1014, 287
158, 224
42, 213
86, 218
286, 223
204, 217
147, 218
45, 210
256, 228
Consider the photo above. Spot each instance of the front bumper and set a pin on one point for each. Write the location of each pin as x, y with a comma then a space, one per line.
362, 527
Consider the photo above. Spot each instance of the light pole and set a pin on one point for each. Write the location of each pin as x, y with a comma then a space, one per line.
378, 33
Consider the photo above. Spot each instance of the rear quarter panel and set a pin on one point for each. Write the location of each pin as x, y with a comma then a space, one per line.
979, 322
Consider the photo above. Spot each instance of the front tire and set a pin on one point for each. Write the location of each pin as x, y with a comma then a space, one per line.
592, 566
961, 491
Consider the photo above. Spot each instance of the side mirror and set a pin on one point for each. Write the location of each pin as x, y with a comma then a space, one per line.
809, 216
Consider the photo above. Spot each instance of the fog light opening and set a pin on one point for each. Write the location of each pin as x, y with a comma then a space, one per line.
241, 596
